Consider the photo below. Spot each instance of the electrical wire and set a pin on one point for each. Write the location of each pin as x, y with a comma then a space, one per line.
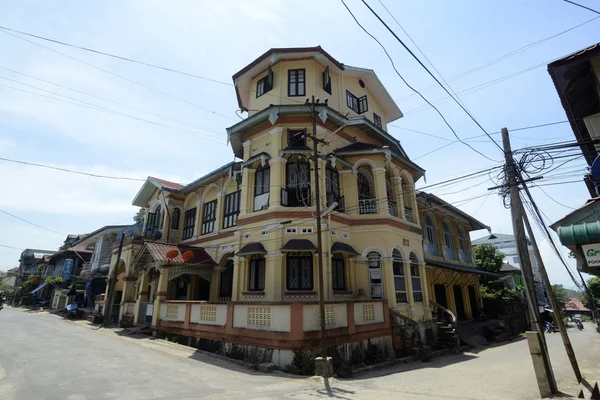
582, 6
11, 247
411, 88
552, 198
431, 74
31, 223
72, 171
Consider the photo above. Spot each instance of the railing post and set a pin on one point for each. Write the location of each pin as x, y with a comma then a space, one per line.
188, 314
350, 316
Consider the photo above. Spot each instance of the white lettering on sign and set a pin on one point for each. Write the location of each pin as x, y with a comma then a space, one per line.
592, 254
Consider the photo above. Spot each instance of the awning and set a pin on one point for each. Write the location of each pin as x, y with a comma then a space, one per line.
159, 251
252, 248
339, 247
587, 232
263, 157
466, 270
43, 285
299, 245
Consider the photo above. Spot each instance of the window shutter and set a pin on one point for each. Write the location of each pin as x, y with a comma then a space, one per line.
269, 83
363, 105
151, 224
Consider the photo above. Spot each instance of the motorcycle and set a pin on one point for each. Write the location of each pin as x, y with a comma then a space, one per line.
73, 312
579, 324
551, 327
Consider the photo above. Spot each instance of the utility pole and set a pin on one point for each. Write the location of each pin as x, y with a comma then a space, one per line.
112, 282
553, 301
544, 374
322, 366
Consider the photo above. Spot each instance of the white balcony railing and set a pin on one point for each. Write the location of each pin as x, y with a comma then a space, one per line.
448, 253
367, 206
392, 208
430, 248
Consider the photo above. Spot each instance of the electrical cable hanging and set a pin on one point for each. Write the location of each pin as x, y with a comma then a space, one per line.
411, 88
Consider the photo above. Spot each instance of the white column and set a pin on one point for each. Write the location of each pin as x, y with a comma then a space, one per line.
198, 216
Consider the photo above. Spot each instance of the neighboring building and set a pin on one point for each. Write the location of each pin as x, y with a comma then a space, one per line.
451, 274
10, 282
575, 306
511, 276
508, 245
100, 243
29, 264
577, 81
243, 237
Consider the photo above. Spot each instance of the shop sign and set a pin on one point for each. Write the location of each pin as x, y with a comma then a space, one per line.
592, 254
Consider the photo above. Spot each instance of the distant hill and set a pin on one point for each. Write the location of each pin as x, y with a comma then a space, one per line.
574, 293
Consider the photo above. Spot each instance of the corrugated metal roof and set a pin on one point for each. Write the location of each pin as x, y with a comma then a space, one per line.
588, 232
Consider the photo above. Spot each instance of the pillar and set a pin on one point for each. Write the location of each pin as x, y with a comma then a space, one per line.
350, 190
274, 282
161, 293
220, 210
425, 289
397, 183
237, 287
214, 286
388, 277
247, 192
413, 199
380, 191
277, 180
409, 290
198, 216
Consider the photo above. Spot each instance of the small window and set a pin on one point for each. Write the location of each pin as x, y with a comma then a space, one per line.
175, 219
256, 276
209, 216
333, 232
247, 235
299, 272
264, 232
189, 220
262, 185
338, 273
296, 137
232, 209
357, 104
326, 81
306, 230
291, 230
265, 84
296, 82
377, 121
345, 235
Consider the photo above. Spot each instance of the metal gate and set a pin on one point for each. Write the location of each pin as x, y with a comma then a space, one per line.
146, 312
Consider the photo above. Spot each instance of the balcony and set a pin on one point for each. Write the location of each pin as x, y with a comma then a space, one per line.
401, 297
261, 202
408, 214
392, 208
430, 248
367, 206
448, 253
295, 197
418, 297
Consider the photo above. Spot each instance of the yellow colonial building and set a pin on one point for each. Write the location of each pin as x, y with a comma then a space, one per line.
231, 257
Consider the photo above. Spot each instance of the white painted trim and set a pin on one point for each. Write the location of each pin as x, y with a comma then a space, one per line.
378, 249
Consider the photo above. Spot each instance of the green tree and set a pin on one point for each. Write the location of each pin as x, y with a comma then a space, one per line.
561, 296
139, 216
593, 285
488, 258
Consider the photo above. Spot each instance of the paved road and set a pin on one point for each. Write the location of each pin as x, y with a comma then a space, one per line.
45, 357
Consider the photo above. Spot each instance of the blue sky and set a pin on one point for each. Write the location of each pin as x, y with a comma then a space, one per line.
215, 39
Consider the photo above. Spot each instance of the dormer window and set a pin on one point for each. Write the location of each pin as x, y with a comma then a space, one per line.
377, 121
296, 82
265, 84
326, 81
296, 137
357, 104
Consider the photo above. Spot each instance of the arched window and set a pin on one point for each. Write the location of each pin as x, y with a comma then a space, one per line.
159, 217
297, 184
407, 196
175, 219
256, 276
462, 245
448, 250
262, 187
366, 191
338, 273
415, 278
430, 244
375, 275
332, 185
399, 279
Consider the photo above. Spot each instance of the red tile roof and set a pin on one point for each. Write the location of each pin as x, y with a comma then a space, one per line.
167, 184
575, 305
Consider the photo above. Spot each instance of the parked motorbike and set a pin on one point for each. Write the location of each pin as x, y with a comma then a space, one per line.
551, 327
73, 312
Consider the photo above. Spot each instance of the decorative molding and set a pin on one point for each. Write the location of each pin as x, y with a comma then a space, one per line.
274, 255
273, 115
247, 143
276, 130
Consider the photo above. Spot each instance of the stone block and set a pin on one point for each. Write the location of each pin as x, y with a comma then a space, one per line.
324, 367
267, 367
